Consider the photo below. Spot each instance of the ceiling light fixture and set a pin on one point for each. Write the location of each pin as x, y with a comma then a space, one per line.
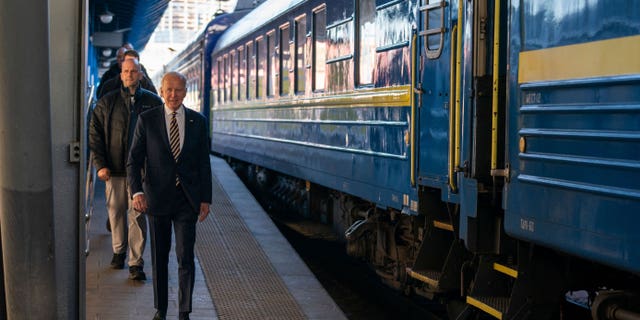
107, 16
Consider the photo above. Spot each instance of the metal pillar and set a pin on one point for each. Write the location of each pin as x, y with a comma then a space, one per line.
26, 192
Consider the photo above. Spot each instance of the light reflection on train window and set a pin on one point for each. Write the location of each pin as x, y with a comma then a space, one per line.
271, 63
319, 47
251, 71
261, 58
285, 60
233, 62
226, 78
300, 39
366, 41
242, 78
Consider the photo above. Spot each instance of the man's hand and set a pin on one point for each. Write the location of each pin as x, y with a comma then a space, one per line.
140, 203
104, 174
204, 211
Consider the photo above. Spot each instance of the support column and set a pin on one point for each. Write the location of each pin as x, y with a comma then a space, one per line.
26, 193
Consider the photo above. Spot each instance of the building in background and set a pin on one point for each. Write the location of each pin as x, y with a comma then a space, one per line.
181, 22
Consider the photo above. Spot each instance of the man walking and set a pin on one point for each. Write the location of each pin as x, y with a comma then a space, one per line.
172, 146
110, 133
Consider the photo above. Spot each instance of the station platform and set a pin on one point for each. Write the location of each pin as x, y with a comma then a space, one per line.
245, 269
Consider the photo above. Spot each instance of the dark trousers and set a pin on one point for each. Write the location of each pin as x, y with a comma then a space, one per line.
184, 221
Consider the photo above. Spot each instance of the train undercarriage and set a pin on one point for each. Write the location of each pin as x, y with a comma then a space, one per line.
422, 255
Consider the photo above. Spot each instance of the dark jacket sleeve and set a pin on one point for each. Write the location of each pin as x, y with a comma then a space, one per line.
136, 159
97, 132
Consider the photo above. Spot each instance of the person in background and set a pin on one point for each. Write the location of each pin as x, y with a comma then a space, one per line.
115, 83
170, 145
110, 132
114, 69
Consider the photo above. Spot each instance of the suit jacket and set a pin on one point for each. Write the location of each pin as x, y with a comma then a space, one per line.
150, 150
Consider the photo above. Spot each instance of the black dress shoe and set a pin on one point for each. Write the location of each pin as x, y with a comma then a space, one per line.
183, 316
136, 273
117, 262
160, 316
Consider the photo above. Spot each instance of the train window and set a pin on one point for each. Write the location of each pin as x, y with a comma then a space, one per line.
217, 81
242, 78
339, 36
366, 41
251, 71
261, 58
433, 26
233, 70
319, 47
285, 60
271, 63
226, 78
397, 17
300, 40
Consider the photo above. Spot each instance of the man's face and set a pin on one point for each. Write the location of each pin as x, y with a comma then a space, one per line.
173, 92
130, 73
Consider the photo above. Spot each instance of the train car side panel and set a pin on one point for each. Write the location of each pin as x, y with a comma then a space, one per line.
574, 139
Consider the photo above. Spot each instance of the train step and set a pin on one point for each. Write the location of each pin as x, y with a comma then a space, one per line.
444, 225
495, 306
430, 277
510, 270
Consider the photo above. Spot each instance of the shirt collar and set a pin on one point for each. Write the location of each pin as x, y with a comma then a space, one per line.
179, 112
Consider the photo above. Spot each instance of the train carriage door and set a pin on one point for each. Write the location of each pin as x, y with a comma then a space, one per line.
435, 75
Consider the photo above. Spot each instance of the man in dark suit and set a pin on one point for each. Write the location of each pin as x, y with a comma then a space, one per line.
172, 146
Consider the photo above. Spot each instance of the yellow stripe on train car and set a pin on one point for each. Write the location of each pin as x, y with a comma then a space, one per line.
395, 96
612, 57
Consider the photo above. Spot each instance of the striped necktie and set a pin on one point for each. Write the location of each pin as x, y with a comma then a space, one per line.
174, 136
174, 140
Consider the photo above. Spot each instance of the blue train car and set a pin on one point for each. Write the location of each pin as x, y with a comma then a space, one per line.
298, 101
574, 116
479, 153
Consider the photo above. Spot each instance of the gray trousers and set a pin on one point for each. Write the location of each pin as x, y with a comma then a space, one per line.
120, 212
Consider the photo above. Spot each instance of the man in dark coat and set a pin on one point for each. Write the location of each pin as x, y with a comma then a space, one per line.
110, 134
171, 144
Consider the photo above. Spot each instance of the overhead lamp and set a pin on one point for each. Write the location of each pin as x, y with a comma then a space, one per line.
107, 16
107, 52
106, 64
